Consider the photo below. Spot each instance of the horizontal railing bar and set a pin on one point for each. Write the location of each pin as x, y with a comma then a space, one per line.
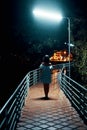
75, 105
85, 89
11, 110
3, 121
76, 93
12, 114
15, 91
11, 106
12, 124
76, 96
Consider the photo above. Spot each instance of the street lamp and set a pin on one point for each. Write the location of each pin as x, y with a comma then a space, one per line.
69, 42
48, 15
56, 17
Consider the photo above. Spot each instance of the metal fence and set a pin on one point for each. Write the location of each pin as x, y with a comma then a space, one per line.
11, 111
77, 94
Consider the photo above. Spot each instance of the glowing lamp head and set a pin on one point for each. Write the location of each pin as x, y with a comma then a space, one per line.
47, 15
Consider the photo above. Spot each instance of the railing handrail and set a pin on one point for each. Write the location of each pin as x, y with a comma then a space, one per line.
31, 78
55, 66
83, 87
11, 111
11, 96
76, 93
15, 91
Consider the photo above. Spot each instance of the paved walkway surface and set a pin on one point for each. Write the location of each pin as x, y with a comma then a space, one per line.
56, 113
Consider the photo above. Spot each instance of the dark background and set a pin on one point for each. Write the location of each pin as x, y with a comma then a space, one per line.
24, 39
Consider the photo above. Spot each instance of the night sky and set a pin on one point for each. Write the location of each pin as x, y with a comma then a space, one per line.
17, 19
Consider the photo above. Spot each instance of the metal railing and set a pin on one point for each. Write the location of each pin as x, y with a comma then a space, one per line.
11, 111
63, 65
76, 93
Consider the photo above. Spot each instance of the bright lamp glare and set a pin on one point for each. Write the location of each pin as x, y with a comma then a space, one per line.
47, 15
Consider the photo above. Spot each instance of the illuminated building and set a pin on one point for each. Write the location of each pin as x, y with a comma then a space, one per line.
61, 56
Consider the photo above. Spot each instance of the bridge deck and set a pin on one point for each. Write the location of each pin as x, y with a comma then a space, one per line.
56, 113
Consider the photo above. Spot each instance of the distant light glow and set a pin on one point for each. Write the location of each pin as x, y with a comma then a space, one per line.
47, 15
71, 45
61, 56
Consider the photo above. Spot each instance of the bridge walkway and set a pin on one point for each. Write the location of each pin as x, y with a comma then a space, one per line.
56, 113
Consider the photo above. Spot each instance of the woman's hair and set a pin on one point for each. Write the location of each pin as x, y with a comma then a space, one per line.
46, 59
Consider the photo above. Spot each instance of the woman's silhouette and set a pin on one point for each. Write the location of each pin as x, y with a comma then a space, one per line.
46, 68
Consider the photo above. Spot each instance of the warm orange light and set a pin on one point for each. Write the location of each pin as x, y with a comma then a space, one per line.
61, 56
64, 52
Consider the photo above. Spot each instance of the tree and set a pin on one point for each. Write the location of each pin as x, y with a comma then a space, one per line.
79, 32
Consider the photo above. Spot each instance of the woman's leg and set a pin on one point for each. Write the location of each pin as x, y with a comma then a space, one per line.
46, 90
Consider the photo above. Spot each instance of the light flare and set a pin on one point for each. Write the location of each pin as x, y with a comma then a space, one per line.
47, 15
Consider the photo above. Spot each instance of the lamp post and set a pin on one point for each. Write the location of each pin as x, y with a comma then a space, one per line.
69, 42
55, 17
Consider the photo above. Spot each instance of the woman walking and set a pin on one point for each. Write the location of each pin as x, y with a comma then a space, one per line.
46, 68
